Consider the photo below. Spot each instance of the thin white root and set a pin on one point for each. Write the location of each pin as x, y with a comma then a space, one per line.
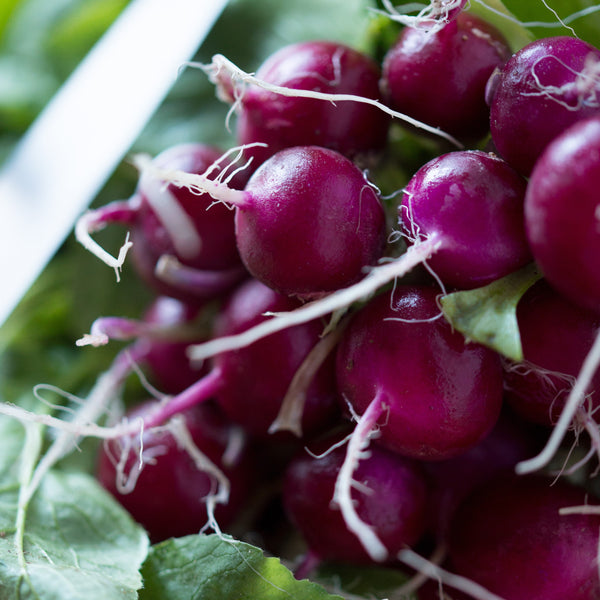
584, 509
221, 63
292, 406
365, 430
574, 401
91, 339
83, 230
377, 277
412, 559
431, 18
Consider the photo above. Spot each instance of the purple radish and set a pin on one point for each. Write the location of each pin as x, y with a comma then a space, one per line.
473, 202
250, 384
161, 479
389, 494
351, 128
438, 395
440, 78
556, 336
562, 212
307, 223
179, 247
511, 537
544, 88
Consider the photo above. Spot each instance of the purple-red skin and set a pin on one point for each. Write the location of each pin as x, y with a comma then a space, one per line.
556, 336
351, 128
525, 116
510, 441
440, 78
311, 222
168, 498
444, 394
509, 537
255, 379
215, 226
562, 213
394, 507
170, 367
473, 202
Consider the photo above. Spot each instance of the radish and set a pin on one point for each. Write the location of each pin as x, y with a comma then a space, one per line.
165, 478
556, 336
308, 222
544, 88
353, 129
180, 248
562, 213
513, 537
258, 375
473, 201
389, 493
456, 62
439, 395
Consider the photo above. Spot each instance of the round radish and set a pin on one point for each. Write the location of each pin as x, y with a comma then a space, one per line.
473, 202
544, 88
351, 128
556, 335
562, 213
510, 537
443, 395
157, 480
440, 77
389, 494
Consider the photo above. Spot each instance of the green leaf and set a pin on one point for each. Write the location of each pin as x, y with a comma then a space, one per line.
488, 315
206, 567
72, 541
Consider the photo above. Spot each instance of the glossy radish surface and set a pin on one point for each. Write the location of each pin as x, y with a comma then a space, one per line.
443, 394
391, 499
351, 128
562, 212
472, 202
440, 78
544, 88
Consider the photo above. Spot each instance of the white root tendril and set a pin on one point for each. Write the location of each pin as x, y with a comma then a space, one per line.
365, 430
340, 299
240, 79
85, 226
431, 18
290, 414
412, 559
573, 403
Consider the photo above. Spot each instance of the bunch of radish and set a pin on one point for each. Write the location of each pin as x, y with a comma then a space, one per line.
298, 343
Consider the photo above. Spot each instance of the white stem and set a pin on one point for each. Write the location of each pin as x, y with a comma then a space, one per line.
417, 562
220, 62
574, 401
365, 429
84, 227
337, 300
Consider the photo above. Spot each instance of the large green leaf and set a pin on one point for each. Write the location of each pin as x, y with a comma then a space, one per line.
71, 541
206, 567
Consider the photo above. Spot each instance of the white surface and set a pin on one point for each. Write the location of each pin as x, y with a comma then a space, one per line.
83, 133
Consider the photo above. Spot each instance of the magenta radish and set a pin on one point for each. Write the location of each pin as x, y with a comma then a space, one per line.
179, 247
308, 222
165, 478
250, 384
438, 395
389, 494
544, 88
562, 212
440, 78
280, 122
556, 336
473, 202
513, 538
